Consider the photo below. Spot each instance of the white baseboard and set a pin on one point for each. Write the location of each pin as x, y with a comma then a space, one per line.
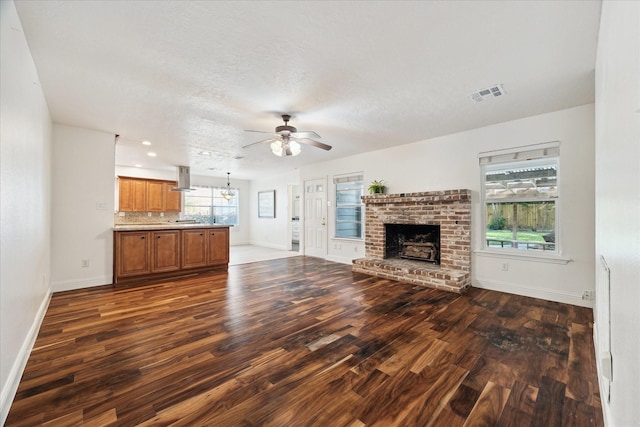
69, 285
10, 387
341, 260
270, 245
546, 294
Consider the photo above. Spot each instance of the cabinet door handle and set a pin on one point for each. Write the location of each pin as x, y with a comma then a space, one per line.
159, 237
201, 234
213, 234
142, 237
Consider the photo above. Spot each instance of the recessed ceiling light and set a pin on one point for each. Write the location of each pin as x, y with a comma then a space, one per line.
146, 142
151, 154
205, 153
138, 166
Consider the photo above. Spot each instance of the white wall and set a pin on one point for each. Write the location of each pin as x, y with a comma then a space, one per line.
272, 232
618, 205
25, 140
451, 162
82, 209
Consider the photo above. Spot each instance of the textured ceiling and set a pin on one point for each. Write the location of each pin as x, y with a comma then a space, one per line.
191, 76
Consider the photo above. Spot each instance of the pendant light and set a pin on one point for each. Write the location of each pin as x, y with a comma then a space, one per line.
228, 194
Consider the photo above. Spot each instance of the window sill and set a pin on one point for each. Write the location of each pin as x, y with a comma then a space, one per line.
349, 239
512, 254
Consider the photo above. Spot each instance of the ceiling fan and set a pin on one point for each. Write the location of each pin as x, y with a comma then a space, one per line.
286, 139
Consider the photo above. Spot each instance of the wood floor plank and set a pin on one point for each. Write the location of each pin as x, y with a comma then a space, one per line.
305, 342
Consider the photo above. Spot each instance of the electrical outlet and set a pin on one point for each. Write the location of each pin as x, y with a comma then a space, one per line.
149, 214
505, 266
85, 263
588, 295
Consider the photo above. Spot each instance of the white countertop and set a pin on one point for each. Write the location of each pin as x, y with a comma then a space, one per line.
165, 226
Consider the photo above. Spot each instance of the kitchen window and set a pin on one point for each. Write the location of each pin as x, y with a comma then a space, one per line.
206, 205
520, 198
349, 207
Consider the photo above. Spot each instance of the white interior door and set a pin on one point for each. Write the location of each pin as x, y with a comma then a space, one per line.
315, 217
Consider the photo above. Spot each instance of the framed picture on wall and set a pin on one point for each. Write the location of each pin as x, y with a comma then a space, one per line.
267, 204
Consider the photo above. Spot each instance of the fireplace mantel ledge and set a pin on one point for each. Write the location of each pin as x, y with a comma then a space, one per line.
422, 197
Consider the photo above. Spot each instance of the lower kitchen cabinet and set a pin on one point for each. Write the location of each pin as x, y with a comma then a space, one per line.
217, 246
132, 254
146, 254
194, 248
165, 247
205, 247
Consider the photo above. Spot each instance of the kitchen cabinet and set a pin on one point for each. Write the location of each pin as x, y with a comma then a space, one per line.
147, 195
165, 250
156, 199
132, 195
217, 246
144, 252
205, 247
194, 248
132, 254
173, 199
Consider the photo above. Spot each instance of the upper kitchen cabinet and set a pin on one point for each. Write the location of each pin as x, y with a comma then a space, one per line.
147, 195
173, 199
132, 195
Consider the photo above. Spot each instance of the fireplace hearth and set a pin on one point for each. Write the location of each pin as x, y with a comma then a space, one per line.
413, 241
420, 238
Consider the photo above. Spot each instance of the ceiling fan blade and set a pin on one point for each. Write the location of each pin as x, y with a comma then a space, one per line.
314, 143
305, 134
264, 141
259, 131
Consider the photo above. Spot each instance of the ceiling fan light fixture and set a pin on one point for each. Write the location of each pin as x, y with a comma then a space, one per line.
285, 148
228, 194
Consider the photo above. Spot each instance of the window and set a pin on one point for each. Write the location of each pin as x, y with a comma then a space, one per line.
520, 196
349, 208
206, 205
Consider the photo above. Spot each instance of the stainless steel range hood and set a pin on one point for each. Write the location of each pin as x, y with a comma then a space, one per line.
184, 179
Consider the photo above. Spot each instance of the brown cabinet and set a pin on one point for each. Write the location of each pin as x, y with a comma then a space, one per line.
217, 246
194, 248
132, 195
156, 199
205, 247
132, 253
145, 254
165, 250
173, 199
147, 195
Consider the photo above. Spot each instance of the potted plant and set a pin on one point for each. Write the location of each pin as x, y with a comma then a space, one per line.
377, 187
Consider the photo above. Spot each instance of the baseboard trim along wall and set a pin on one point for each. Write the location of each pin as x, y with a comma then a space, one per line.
69, 285
545, 294
10, 388
341, 260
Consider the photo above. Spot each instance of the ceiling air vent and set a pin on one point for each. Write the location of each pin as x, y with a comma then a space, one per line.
488, 93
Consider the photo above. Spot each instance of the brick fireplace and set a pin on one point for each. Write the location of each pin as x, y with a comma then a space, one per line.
434, 230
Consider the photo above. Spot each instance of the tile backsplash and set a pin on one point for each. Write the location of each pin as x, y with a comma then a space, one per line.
144, 218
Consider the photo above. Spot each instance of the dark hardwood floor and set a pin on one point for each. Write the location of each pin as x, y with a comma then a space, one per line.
305, 342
